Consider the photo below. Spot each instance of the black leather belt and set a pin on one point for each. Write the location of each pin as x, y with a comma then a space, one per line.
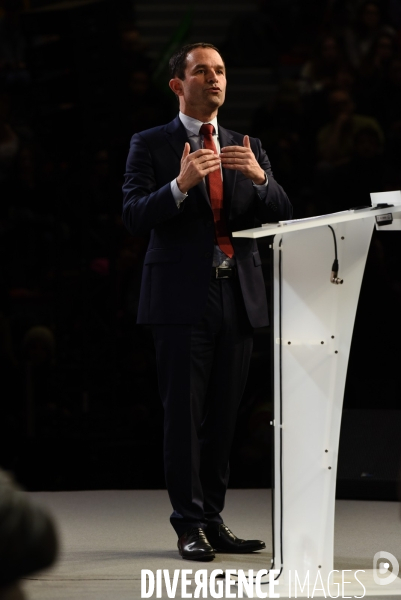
224, 272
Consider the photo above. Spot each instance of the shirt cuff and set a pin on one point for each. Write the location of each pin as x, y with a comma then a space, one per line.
262, 185
178, 196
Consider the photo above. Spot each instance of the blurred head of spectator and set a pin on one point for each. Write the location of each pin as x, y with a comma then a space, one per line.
377, 60
139, 83
336, 139
341, 104
321, 71
132, 46
385, 48
345, 79
369, 17
130, 38
368, 25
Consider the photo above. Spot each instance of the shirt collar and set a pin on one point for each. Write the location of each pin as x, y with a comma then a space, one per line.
193, 125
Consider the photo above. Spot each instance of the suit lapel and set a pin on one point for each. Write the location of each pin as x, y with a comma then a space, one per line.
177, 136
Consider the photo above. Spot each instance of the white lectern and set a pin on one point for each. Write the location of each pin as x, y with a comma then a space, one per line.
312, 328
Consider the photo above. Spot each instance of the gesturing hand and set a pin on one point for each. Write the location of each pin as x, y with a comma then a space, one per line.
243, 159
195, 166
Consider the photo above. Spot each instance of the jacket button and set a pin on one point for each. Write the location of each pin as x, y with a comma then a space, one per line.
207, 254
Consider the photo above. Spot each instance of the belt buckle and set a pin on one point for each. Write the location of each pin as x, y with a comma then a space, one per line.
222, 276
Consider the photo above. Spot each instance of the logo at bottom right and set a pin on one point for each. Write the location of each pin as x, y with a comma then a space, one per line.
385, 568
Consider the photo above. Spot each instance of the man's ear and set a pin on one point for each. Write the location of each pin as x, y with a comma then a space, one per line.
176, 86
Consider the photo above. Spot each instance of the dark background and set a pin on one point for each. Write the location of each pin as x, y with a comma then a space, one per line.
79, 400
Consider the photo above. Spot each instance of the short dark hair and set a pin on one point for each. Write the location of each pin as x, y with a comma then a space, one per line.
178, 62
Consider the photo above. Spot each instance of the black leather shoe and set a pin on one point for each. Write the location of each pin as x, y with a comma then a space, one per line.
193, 545
223, 540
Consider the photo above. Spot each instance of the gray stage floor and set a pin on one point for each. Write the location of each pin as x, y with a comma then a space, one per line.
107, 537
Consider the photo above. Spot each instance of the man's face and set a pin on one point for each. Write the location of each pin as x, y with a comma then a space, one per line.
204, 86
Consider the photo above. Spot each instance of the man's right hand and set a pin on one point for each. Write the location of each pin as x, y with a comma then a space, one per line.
195, 166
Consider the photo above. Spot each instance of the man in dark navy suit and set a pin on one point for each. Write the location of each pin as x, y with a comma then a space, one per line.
190, 184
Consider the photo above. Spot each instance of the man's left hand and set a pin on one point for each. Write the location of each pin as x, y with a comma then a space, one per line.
243, 159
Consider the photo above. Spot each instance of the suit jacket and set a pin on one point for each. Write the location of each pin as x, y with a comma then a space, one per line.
178, 261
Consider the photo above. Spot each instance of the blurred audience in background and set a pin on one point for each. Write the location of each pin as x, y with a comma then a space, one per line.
321, 71
335, 140
362, 34
75, 84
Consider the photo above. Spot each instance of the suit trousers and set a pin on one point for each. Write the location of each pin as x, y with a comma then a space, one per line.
202, 371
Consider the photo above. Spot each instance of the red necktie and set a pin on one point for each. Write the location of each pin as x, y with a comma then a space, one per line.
215, 186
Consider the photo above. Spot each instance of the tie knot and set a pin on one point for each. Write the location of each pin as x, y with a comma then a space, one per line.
207, 129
